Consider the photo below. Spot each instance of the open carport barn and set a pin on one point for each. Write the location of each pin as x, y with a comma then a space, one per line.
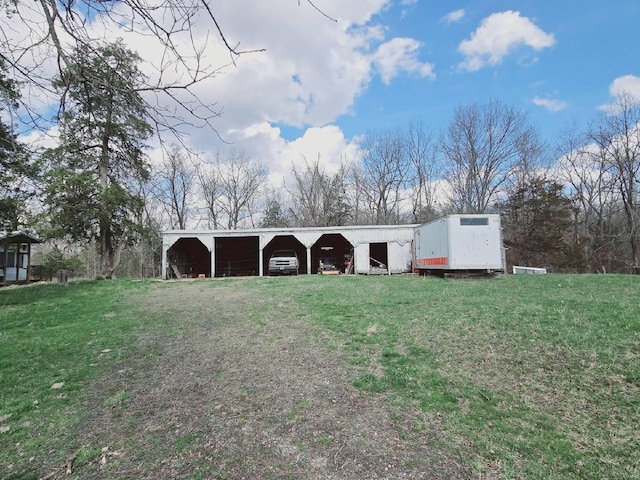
378, 249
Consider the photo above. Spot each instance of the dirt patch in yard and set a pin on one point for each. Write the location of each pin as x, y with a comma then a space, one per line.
235, 384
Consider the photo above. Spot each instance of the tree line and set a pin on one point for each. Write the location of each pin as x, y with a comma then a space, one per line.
569, 206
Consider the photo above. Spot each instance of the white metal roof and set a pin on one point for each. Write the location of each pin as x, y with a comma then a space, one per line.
355, 234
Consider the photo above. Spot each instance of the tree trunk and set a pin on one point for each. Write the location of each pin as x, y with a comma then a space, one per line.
110, 260
105, 227
109, 257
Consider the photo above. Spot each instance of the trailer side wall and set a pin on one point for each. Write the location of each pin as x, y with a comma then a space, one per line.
475, 242
431, 245
459, 242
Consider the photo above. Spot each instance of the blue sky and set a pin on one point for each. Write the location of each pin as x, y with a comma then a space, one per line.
321, 85
404, 60
593, 44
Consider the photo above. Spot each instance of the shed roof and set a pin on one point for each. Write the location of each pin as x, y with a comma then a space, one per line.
17, 236
290, 230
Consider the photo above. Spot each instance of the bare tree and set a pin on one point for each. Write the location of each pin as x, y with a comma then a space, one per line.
174, 181
242, 180
616, 136
484, 146
37, 37
583, 168
421, 153
210, 191
319, 199
53, 29
382, 178
232, 185
143, 258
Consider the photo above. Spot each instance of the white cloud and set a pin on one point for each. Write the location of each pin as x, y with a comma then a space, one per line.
527, 60
626, 86
400, 55
498, 35
263, 140
41, 139
407, 4
326, 142
553, 105
454, 16
311, 73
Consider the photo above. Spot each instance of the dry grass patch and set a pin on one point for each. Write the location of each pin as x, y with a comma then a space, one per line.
237, 383
323, 377
540, 374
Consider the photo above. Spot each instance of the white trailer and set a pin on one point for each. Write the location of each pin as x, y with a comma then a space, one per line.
459, 244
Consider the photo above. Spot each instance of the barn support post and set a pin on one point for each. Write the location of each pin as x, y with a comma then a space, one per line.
308, 260
4, 264
29, 261
260, 262
16, 261
213, 257
165, 265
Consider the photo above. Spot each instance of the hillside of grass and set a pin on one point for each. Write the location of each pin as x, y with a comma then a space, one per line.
536, 376
54, 340
527, 376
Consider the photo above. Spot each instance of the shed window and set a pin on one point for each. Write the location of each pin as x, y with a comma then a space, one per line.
467, 221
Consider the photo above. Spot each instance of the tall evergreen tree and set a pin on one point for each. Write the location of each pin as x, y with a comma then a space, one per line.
538, 224
274, 215
91, 183
17, 171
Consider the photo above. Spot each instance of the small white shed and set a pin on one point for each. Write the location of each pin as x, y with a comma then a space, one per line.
15, 256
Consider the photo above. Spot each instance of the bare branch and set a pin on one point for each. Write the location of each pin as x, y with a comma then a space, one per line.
320, 11
232, 50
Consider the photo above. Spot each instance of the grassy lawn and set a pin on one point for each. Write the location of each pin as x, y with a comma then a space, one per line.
539, 376
53, 340
528, 376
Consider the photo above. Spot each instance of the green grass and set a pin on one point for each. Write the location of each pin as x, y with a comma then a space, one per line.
53, 334
528, 376
185, 442
536, 376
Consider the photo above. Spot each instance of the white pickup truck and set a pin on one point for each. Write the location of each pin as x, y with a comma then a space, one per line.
284, 262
